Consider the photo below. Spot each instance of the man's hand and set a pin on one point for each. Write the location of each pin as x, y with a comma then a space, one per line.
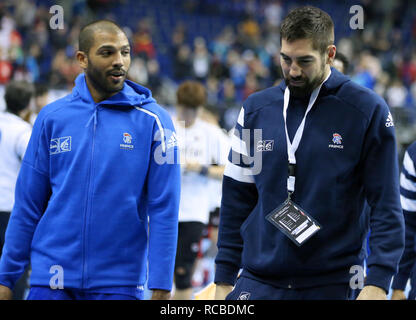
193, 166
160, 294
222, 290
398, 295
5, 293
372, 293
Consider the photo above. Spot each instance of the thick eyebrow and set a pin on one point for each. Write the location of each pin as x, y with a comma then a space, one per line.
298, 58
109, 47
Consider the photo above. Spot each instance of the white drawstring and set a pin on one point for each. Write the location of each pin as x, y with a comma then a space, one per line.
94, 116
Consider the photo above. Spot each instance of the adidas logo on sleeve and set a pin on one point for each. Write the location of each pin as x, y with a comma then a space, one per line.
389, 121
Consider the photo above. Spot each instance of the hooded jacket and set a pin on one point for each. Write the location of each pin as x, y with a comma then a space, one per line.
347, 155
97, 195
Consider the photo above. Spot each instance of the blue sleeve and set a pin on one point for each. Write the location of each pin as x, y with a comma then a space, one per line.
238, 200
163, 189
31, 197
239, 197
381, 182
408, 201
408, 260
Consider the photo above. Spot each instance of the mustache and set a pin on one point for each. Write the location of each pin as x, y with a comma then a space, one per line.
116, 72
299, 78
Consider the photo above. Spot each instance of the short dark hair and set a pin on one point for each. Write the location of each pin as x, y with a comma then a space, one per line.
86, 35
40, 89
308, 23
17, 96
191, 94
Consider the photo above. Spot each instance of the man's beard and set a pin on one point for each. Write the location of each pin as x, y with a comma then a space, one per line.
305, 90
102, 82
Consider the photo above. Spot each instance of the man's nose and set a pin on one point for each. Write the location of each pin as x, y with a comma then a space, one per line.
118, 60
295, 71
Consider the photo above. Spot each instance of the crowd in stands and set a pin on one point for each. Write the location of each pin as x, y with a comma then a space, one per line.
235, 53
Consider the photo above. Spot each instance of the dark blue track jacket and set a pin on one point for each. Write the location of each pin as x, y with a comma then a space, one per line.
347, 155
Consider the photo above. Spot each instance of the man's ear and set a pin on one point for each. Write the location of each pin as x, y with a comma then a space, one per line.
331, 52
82, 59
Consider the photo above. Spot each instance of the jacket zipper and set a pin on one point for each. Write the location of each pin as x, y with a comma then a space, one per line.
88, 205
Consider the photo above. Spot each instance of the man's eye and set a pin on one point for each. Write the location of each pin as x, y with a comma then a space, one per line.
126, 52
105, 53
305, 61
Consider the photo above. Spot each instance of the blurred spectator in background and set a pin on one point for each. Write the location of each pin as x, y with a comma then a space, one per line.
229, 106
248, 33
203, 155
142, 40
396, 94
273, 13
41, 99
341, 63
182, 67
138, 71
200, 60
6, 68
238, 68
14, 137
154, 78
366, 72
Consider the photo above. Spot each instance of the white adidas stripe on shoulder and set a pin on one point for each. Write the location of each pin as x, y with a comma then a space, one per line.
406, 183
159, 124
408, 164
408, 204
238, 173
238, 145
240, 119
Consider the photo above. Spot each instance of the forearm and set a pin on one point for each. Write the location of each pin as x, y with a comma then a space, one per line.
408, 258
163, 207
162, 251
238, 202
216, 172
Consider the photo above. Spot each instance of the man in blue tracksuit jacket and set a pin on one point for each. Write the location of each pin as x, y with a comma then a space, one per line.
305, 156
98, 192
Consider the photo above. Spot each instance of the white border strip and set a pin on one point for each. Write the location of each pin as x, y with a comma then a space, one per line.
159, 124
238, 173
408, 204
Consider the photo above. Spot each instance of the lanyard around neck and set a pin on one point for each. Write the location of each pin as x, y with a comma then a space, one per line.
293, 146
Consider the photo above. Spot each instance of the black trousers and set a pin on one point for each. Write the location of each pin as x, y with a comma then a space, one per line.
23, 283
4, 220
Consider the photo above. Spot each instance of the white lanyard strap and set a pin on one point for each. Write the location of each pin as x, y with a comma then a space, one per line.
293, 146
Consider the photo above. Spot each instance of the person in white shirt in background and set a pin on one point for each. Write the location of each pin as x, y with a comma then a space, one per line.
203, 155
14, 137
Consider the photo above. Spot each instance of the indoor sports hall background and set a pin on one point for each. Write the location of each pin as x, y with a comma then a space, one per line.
232, 46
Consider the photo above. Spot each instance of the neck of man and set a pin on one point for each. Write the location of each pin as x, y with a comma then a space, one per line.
327, 71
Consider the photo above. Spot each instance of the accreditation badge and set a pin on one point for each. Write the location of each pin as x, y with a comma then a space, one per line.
294, 222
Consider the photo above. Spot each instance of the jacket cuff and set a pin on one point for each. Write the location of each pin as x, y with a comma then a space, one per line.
7, 283
157, 285
400, 281
225, 274
379, 277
